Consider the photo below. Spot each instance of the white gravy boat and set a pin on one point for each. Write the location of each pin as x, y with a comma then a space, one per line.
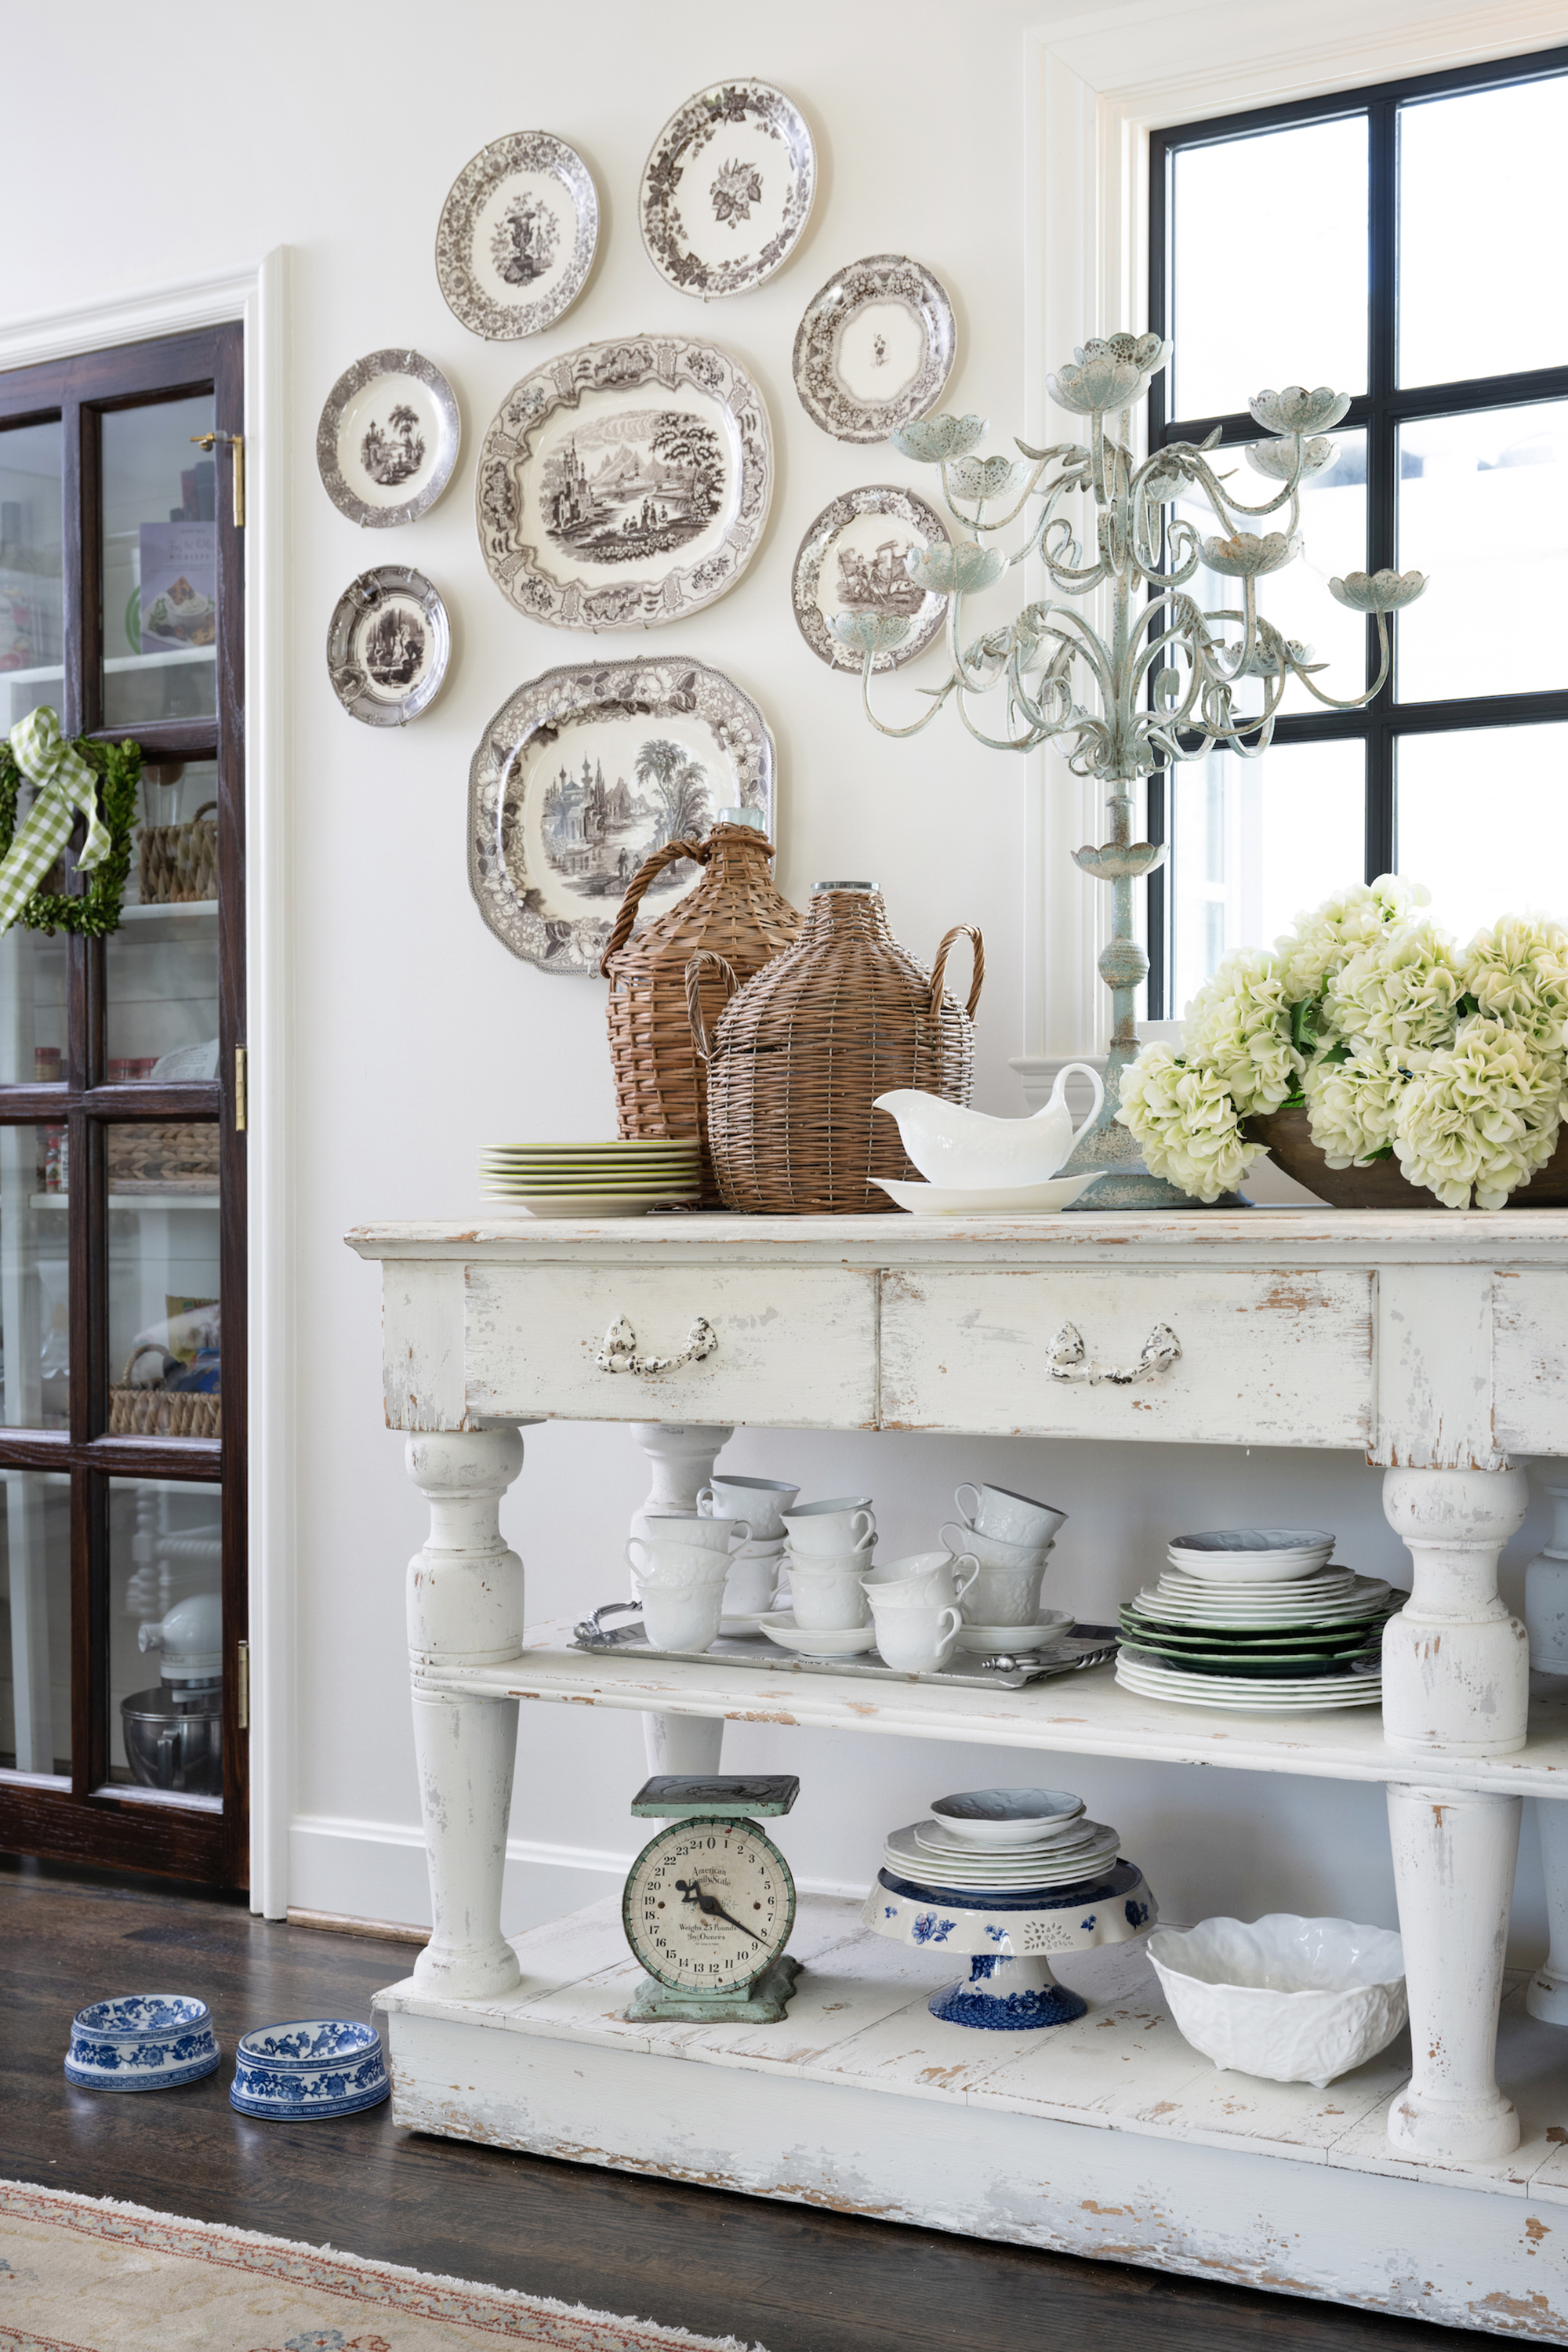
953, 1145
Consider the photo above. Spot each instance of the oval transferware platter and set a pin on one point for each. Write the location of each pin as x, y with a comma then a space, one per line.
874, 348
625, 483
388, 645
728, 189
387, 439
852, 561
586, 772
516, 237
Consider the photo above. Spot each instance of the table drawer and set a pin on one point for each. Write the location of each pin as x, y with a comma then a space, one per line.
1529, 1361
1267, 1358
796, 1347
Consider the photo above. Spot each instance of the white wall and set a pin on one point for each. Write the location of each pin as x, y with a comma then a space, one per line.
153, 149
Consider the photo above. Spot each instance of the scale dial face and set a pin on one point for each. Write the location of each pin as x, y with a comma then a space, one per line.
709, 1905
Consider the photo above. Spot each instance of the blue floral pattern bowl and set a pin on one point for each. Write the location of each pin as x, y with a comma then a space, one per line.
311, 2066
145, 2041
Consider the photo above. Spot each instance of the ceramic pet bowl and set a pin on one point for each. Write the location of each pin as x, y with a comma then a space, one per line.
143, 2042
1295, 2001
312, 2066
1007, 1817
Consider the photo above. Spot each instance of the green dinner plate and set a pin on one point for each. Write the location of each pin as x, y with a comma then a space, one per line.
1326, 1640
1296, 1669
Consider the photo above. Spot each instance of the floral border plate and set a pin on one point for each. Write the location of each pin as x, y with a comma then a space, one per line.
751, 147
553, 842
886, 312
381, 471
625, 483
388, 645
876, 582
501, 231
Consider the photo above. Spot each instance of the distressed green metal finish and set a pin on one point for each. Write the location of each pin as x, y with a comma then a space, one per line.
764, 2004
728, 1796
764, 2000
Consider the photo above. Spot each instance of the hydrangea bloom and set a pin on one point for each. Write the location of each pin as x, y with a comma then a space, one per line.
1518, 972
1354, 1105
1400, 991
1186, 1123
1239, 1024
1484, 1113
1325, 940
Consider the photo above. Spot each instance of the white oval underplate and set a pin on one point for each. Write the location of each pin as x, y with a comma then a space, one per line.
1007, 1201
998, 1640
848, 1641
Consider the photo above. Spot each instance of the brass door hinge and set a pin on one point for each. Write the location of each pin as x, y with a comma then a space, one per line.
242, 1684
241, 1072
235, 443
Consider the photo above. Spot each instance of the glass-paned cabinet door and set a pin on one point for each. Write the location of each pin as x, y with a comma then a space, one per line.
159, 563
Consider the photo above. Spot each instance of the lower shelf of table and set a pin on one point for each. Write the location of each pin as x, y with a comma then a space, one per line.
1110, 2136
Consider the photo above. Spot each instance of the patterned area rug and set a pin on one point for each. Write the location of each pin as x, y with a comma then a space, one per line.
86, 2274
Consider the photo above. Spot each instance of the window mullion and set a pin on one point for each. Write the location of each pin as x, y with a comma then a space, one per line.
1381, 453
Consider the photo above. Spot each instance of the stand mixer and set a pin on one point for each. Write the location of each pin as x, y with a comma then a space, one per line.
174, 1735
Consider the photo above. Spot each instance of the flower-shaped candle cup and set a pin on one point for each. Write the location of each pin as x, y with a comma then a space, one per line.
313, 2067
143, 2042
1108, 372
1297, 410
931, 439
986, 477
869, 632
956, 571
1248, 554
1378, 592
1281, 462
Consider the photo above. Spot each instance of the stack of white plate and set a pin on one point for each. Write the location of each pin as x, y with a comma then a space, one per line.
1241, 1694
622, 1178
931, 1855
1331, 1596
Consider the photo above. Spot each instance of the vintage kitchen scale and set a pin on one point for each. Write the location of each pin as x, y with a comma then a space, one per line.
709, 1902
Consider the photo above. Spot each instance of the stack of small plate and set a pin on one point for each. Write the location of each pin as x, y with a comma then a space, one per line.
593, 1180
927, 1854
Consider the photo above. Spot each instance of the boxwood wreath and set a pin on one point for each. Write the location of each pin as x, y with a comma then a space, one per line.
94, 912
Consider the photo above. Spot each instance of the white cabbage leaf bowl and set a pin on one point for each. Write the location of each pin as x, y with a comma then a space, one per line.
1293, 1999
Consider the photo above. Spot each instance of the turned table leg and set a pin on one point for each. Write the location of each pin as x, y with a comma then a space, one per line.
682, 1455
465, 1608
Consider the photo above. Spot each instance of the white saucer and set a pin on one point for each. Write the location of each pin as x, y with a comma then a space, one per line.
1010, 1201
852, 1643
998, 1640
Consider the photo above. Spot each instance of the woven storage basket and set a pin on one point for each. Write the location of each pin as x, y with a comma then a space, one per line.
801, 1053
160, 1413
735, 913
179, 862
160, 1158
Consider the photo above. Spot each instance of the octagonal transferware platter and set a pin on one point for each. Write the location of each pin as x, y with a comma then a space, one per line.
874, 348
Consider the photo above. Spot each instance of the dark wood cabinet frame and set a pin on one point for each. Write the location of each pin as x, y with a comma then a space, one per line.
94, 1820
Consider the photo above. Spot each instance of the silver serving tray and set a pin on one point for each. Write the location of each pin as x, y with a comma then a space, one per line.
1084, 1646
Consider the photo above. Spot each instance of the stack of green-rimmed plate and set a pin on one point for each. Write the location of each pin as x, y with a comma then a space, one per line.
622, 1178
1270, 1647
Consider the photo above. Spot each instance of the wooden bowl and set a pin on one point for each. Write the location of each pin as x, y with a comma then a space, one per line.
1382, 1186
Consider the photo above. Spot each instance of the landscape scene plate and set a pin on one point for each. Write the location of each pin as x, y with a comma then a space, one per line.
852, 561
874, 348
586, 771
388, 645
387, 439
728, 189
625, 484
516, 237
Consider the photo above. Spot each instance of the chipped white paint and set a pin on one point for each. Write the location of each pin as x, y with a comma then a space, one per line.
1530, 1353
1546, 1996
1067, 1359
1546, 1578
1455, 1671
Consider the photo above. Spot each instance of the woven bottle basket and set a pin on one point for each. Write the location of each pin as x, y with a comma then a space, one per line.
156, 1159
160, 1413
801, 1053
179, 862
735, 913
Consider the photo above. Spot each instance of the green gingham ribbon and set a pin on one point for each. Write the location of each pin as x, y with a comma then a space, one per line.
65, 784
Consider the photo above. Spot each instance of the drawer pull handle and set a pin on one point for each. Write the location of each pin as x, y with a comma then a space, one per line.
619, 1352
1161, 1349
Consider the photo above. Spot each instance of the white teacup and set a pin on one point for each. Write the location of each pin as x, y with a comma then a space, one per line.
1010, 1518
841, 1524
989, 1551
935, 1576
1005, 1596
916, 1639
680, 1616
763, 1501
693, 1528
750, 1585
675, 1564
828, 1601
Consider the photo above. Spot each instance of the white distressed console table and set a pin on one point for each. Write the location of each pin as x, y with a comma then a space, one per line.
1436, 1344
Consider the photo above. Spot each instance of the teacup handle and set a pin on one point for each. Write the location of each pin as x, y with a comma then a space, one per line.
637, 1544
1092, 1074
705, 1501
947, 1531
960, 1560
860, 1533
741, 1528
971, 1515
951, 1635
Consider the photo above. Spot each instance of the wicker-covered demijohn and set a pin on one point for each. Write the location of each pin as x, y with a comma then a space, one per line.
801, 1053
178, 863
734, 912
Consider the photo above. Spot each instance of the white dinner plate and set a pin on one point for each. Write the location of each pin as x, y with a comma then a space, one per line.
929, 1836
1251, 1703
903, 1854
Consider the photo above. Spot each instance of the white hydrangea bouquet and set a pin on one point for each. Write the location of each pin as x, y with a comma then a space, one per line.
1399, 1044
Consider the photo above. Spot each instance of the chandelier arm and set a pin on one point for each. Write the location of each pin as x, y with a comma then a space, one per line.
939, 696
1356, 701
994, 743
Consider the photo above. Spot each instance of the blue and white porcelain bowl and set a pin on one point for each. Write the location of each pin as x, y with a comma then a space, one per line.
312, 2066
145, 2041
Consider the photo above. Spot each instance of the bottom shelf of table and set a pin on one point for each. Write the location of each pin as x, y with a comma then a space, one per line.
1110, 2137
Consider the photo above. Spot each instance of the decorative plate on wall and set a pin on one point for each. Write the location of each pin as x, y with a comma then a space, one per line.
625, 483
516, 237
388, 645
874, 348
586, 771
852, 561
727, 191
388, 438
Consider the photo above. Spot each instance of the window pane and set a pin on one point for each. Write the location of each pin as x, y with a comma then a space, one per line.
31, 569
164, 1280
159, 563
1519, 776
1475, 174
34, 1630
1243, 318
1254, 842
166, 1637
35, 1293
1333, 541
1483, 509
161, 963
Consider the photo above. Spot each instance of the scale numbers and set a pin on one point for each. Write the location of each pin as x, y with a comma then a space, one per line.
709, 1905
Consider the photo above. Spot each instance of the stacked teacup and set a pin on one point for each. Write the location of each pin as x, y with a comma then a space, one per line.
679, 1571
1009, 1537
754, 1567
916, 1603
830, 1548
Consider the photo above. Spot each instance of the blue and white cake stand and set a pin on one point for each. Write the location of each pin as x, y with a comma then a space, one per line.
1009, 1939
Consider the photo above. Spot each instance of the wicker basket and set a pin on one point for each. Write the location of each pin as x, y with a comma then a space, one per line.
734, 912
179, 862
161, 1412
801, 1053
155, 1159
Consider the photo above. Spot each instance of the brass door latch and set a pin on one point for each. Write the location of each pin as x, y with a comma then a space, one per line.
235, 442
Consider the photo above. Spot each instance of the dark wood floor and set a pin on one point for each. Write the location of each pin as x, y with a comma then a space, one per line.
786, 2277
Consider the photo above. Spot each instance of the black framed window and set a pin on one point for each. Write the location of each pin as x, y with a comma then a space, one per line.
1392, 242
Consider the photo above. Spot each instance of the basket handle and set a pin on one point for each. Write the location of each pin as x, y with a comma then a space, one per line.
694, 995
700, 851
203, 810
959, 932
